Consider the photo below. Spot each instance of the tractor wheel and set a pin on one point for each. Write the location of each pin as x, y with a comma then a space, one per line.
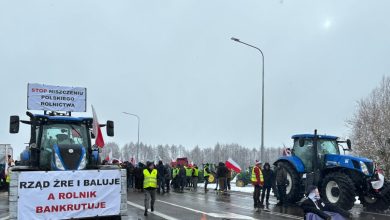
339, 190
212, 178
240, 183
293, 192
376, 204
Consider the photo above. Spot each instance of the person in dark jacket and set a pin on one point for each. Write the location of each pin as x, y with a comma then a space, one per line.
281, 184
130, 174
268, 181
138, 173
161, 177
182, 177
168, 177
316, 209
222, 173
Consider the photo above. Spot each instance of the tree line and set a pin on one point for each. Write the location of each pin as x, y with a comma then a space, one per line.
243, 156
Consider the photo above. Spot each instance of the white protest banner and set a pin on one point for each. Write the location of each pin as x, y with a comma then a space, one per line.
68, 194
56, 98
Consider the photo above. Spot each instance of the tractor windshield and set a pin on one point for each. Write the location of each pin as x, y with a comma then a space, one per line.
63, 134
326, 146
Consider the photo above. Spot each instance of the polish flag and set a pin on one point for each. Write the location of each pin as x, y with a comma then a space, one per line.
231, 164
96, 130
109, 157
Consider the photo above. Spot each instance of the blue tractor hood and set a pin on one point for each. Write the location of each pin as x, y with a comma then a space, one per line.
348, 161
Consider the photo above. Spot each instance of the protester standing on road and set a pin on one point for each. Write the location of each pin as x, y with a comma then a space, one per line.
281, 184
138, 173
316, 209
195, 174
222, 173
161, 177
257, 180
168, 177
150, 185
130, 175
206, 175
268, 181
229, 178
182, 177
188, 176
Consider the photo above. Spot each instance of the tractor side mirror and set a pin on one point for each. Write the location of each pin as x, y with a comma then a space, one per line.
14, 124
110, 128
349, 144
301, 142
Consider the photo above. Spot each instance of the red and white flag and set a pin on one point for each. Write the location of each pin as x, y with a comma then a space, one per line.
109, 156
231, 164
96, 130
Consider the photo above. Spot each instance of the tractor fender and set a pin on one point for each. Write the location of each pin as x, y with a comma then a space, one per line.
294, 161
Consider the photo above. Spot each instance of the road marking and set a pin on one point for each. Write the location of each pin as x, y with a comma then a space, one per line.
4, 218
159, 214
247, 208
215, 215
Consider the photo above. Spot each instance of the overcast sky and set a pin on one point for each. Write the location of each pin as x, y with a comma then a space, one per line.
173, 63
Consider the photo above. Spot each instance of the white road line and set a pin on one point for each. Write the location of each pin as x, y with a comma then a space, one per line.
4, 218
159, 214
247, 208
215, 215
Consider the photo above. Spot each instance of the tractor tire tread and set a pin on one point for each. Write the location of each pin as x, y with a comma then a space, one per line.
347, 188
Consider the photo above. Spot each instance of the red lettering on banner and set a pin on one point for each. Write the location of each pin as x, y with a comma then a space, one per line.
38, 90
38, 209
51, 197
61, 195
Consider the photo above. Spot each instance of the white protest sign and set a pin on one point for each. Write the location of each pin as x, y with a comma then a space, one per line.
56, 98
69, 194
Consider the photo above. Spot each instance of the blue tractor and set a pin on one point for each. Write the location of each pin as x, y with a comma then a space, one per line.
59, 142
316, 160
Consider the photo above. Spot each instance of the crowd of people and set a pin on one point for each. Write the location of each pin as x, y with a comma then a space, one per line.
151, 179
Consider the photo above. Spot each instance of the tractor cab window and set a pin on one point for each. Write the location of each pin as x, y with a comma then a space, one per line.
63, 134
328, 147
305, 153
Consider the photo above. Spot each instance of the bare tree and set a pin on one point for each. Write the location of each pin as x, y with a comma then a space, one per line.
370, 126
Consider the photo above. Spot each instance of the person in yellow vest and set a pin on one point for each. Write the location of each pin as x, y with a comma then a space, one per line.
150, 185
188, 176
257, 180
195, 174
206, 174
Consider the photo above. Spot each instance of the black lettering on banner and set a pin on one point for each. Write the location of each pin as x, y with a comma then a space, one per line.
56, 183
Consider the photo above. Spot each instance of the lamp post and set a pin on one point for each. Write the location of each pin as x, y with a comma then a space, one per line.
262, 95
139, 120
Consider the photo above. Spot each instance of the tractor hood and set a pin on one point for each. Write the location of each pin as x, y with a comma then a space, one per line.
360, 164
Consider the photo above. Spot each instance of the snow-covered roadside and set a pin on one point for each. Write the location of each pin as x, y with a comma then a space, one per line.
249, 189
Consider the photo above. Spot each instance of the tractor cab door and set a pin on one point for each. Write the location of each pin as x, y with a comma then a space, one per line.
306, 154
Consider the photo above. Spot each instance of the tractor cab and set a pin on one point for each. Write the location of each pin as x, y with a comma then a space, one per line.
304, 149
59, 141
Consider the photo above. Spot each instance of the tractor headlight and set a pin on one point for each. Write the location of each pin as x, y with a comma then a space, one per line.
83, 163
59, 164
364, 168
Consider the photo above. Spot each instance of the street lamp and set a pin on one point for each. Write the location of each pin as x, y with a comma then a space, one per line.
139, 120
262, 97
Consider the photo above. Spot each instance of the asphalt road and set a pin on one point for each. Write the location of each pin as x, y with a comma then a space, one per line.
200, 206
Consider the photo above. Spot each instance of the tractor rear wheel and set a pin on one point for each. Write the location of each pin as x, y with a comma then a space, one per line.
293, 192
376, 204
339, 190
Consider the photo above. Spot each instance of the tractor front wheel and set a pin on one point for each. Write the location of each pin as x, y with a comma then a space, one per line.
376, 204
293, 193
339, 190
